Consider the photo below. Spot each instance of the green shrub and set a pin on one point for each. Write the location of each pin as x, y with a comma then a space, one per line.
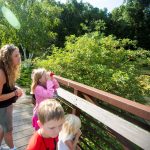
100, 62
25, 76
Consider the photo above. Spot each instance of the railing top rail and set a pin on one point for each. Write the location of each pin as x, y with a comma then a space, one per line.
120, 102
114, 122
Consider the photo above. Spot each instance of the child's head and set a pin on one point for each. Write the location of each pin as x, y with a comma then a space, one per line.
71, 125
51, 117
38, 77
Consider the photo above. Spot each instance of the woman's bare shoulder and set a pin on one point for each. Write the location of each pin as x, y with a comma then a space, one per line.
2, 76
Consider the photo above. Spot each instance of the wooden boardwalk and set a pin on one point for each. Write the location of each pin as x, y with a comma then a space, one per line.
22, 127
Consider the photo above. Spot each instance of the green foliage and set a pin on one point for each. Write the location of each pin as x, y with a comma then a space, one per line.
132, 20
44, 23
97, 136
38, 20
79, 18
101, 62
25, 78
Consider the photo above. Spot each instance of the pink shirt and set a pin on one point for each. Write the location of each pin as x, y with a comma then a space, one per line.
42, 93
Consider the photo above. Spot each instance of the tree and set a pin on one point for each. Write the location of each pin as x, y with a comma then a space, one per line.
132, 20
38, 22
79, 18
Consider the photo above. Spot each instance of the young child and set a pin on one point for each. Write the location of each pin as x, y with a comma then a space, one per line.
44, 86
70, 133
51, 119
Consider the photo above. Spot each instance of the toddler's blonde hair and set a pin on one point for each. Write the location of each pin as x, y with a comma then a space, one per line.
71, 125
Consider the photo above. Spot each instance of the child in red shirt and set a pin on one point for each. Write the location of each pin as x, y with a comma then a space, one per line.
51, 119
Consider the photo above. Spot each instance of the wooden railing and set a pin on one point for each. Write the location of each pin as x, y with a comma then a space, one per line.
106, 118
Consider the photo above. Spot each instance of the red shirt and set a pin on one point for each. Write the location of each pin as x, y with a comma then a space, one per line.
37, 142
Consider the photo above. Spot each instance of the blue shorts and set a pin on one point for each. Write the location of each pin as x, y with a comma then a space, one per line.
6, 118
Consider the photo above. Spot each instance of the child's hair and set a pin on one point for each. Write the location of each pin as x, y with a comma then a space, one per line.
50, 109
71, 125
35, 76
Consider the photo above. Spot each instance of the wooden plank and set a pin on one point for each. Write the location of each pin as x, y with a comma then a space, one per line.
120, 102
23, 133
20, 105
26, 117
22, 109
128, 130
23, 113
22, 147
22, 123
22, 141
22, 126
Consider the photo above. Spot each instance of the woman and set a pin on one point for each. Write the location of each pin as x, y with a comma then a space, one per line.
9, 71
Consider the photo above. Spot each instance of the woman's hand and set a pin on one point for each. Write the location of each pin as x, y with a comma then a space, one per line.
19, 92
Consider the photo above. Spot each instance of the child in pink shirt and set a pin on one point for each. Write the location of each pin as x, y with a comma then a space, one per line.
44, 86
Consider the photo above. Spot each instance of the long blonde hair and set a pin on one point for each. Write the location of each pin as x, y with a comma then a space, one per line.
36, 75
12, 72
71, 126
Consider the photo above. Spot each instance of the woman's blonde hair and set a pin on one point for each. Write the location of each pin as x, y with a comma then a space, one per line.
71, 125
12, 72
50, 109
36, 75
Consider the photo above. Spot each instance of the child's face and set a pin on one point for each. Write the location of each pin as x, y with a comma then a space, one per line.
43, 79
52, 128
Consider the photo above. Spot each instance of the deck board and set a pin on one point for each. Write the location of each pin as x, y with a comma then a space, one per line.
22, 127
